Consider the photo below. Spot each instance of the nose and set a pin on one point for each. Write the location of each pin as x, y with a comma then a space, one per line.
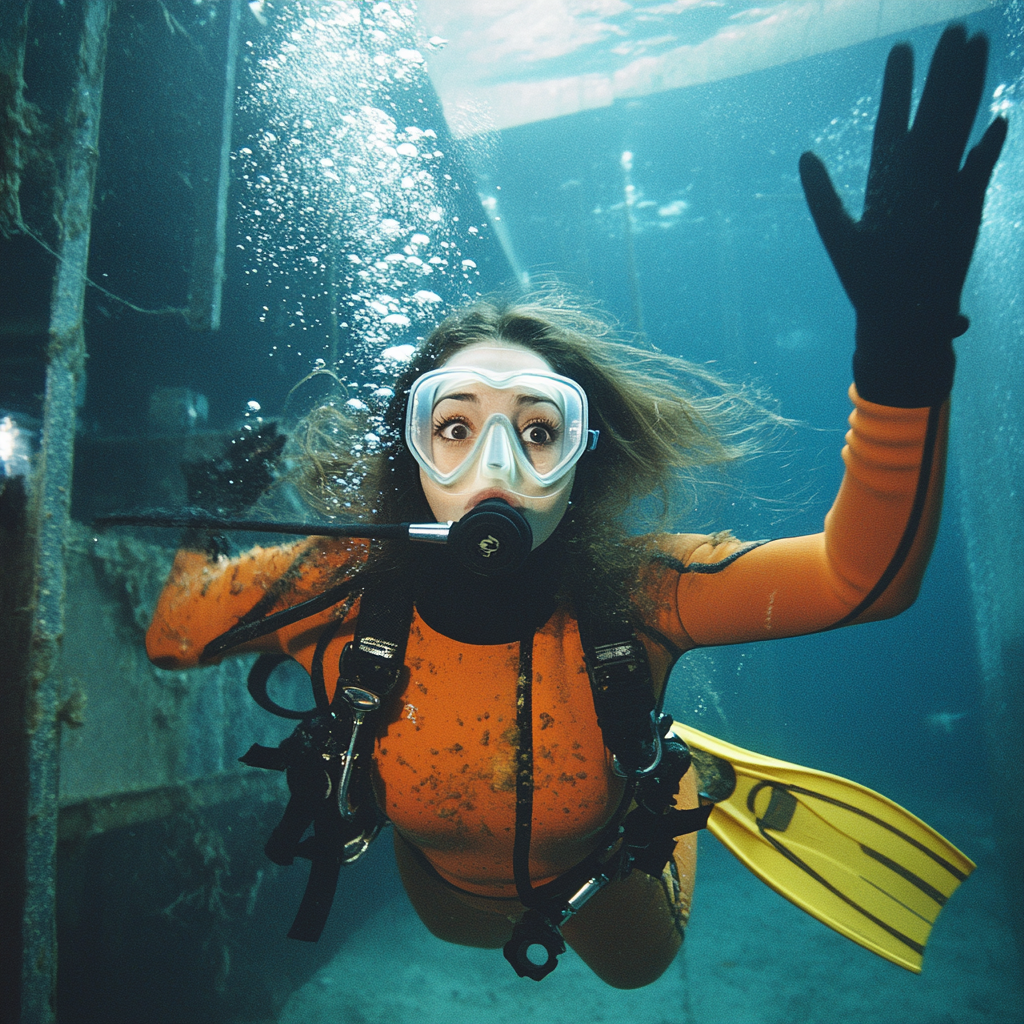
498, 457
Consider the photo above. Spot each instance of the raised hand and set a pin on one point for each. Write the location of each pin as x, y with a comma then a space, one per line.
903, 264
238, 476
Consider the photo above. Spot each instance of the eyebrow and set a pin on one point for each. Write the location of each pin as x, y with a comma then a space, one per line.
469, 396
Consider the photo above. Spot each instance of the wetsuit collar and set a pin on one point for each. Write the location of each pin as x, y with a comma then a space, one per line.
475, 609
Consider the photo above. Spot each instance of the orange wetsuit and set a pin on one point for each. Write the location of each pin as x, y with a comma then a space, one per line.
445, 751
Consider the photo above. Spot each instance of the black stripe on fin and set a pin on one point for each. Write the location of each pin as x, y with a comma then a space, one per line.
898, 869
909, 840
910, 943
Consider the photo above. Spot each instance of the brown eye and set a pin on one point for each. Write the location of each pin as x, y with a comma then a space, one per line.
537, 433
456, 430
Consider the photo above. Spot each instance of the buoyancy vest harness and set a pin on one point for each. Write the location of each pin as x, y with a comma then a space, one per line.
327, 759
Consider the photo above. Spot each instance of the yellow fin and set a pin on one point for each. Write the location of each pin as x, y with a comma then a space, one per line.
843, 853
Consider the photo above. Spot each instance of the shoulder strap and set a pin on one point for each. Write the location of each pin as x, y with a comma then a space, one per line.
620, 678
374, 659
369, 668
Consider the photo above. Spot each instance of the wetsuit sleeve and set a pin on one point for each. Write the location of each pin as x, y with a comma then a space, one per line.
866, 564
205, 597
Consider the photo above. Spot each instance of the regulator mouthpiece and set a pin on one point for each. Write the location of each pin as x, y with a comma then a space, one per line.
491, 539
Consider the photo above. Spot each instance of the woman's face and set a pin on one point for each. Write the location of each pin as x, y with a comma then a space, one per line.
533, 422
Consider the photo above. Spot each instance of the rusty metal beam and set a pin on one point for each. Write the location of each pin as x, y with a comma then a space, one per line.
207, 282
49, 517
15, 633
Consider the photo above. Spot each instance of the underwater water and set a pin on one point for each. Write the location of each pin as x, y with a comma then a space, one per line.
355, 220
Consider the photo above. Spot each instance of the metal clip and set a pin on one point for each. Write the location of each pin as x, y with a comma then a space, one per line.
589, 888
361, 701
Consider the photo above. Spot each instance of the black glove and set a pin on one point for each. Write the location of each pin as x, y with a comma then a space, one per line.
236, 479
903, 264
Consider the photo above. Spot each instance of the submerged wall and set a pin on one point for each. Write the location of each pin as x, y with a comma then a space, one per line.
129, 727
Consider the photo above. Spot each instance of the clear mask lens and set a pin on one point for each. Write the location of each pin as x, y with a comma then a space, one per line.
522, 431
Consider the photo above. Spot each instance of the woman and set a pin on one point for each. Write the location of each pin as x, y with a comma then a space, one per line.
487, 756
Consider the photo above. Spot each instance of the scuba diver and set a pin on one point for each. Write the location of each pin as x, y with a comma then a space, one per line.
494, 693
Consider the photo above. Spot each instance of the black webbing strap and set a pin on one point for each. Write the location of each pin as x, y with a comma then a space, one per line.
651, 838
247, 630
374, 659
620, 679
652, 828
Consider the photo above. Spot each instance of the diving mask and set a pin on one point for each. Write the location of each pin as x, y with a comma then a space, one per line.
522, 430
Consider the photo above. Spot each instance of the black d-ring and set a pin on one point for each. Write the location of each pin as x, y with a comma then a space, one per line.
259, 674
534, 929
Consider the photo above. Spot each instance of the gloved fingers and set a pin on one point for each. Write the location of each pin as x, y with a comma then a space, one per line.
888, 142
977, 169
968, 198
834, 224
894, 107
238, 476
949, 103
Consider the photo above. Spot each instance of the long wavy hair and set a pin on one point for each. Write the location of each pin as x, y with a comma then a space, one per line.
663, 422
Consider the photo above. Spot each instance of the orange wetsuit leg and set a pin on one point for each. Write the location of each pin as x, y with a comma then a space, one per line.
628, 934
454, 916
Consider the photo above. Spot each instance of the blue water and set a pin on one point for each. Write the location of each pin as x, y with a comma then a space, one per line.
739, 278
730, 271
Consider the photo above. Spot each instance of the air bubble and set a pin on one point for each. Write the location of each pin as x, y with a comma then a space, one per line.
330, 168
399, 353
